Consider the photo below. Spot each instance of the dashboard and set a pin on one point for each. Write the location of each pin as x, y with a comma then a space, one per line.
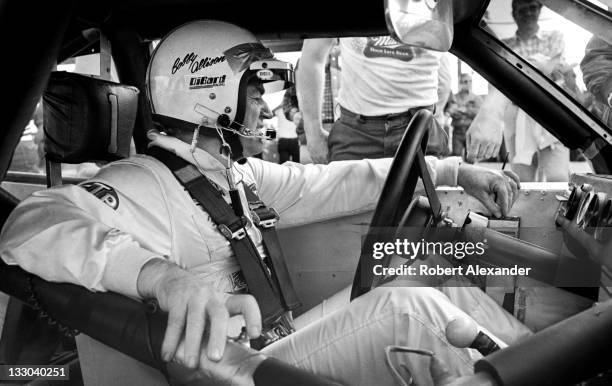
589, 205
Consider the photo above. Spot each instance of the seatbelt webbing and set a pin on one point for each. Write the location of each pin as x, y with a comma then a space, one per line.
275, 253
260, 279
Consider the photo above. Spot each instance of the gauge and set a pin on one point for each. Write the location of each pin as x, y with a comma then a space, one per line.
573, 202
585, 200
593, 211
604, 225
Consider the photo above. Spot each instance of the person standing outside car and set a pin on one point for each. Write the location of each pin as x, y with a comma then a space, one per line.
535, 154
293, 113
287, 141
382, 84
462, 108
596, 69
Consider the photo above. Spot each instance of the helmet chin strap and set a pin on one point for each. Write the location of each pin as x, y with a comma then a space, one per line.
225, 150
270, 133
223, 122
194, 139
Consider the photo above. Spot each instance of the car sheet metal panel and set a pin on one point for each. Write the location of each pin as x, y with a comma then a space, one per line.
536, 305
536, 206
322, 257
21, 190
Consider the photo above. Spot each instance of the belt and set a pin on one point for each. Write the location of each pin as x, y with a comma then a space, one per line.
387, 117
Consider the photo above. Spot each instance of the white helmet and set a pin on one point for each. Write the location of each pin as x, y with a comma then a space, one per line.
198, 75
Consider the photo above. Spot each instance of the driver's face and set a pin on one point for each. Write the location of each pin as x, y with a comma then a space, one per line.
256, 111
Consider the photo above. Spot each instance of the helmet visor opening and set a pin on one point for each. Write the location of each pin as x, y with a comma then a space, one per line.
240, 57
273, 74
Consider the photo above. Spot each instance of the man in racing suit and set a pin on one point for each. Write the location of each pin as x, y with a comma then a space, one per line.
135, 230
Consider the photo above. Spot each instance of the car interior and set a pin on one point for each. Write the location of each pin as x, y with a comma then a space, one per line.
95, 120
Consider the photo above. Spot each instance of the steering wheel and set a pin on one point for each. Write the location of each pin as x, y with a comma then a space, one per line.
396, 206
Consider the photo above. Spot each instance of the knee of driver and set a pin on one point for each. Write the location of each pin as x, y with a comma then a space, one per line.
420, 312
413, 299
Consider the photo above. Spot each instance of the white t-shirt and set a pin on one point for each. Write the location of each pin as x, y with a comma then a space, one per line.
381, 76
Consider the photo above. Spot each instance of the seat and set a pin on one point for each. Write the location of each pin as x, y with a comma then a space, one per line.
86, 119
89, 119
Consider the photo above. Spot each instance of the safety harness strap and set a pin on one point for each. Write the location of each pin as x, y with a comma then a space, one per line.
265, 219
261, 279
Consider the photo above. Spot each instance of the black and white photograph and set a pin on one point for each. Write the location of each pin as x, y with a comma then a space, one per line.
326, 193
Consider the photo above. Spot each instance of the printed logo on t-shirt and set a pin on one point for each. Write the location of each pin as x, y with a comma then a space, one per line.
387, 47
105, 193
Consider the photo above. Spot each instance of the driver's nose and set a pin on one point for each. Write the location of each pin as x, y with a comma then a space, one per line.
265, 112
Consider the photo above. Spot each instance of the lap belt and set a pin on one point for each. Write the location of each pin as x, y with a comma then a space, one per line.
267, 279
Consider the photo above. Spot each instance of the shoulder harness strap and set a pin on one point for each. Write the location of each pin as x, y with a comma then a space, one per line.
265, 218
274, 293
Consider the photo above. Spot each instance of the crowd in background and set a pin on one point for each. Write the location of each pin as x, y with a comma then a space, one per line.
454, 114
531, 151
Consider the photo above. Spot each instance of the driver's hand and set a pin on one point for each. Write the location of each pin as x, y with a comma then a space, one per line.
317, 147
193, 306
441, 376
237, 367
497, 190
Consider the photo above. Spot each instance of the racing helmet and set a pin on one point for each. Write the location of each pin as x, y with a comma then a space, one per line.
198, 77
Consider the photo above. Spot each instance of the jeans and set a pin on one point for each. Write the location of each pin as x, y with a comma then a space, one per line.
459, 140
288, 150
354, 136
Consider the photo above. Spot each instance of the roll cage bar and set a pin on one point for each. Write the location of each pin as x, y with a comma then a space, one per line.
33, 42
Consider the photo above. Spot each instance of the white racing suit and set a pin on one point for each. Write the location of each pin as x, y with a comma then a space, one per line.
99, 235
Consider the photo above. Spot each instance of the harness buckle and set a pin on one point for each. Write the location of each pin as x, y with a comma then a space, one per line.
239, 234
270, 218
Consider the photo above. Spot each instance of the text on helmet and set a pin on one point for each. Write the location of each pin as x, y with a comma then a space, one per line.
195, 65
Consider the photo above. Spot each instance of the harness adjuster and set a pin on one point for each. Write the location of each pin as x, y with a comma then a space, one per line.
238, 233
266, 218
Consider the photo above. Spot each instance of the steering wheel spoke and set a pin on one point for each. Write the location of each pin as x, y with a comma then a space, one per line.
396, 207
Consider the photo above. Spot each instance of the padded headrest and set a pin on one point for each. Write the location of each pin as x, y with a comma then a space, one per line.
87, 119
